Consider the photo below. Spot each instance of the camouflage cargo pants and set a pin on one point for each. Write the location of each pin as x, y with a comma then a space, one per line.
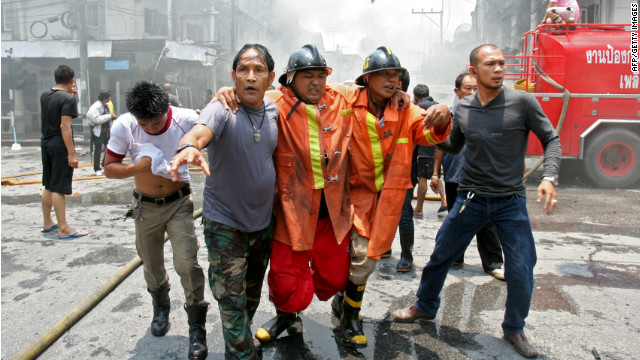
237, 265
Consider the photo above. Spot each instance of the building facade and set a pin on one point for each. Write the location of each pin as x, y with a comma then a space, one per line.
110, 45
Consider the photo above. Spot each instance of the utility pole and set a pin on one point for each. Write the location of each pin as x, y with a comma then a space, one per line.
81, 15
12, 114
234, 27
422, 12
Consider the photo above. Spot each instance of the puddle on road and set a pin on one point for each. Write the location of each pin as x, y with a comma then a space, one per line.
129, 303
388, 339
106, 255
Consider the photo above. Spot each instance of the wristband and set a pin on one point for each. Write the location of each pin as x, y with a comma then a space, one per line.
184, 146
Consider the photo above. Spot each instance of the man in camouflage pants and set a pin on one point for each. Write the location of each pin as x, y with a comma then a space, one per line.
247, 257
239, 194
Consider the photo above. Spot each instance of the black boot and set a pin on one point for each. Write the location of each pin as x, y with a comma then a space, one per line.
161, 306
256, 349
386, 255
197, 315
406, 258
350, 321
336, 304
274, 327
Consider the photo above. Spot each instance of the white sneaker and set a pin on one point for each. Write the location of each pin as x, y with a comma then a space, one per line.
99, 173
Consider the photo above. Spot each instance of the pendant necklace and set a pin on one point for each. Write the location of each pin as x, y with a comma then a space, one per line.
256, 132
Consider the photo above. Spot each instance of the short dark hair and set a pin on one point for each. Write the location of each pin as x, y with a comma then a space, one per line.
208, 91
265, 56
404, 80
473, 56
104, 95
460, 78
147, 100
421, 91
63, 74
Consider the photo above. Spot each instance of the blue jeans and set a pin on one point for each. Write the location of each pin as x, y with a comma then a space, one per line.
511, 218
406, 217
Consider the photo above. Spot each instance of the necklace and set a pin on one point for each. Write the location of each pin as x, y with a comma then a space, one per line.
256, 132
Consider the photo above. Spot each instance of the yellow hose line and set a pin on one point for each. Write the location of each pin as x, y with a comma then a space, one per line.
37, 172
40, 172
429, 197
26, 182
64, 324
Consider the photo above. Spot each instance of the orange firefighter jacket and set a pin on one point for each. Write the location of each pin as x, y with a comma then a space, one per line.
381, 173
312, 156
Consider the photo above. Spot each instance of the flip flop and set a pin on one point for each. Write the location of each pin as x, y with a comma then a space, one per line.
53, 227
76, 234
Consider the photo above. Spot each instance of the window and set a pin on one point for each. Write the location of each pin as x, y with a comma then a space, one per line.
7, 18
155, 23
92, 15
194, 32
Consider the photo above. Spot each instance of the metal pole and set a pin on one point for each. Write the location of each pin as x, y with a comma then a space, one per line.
15, 145
164, 50
441, 12
81, 11
234, 27
441, 23
117, 97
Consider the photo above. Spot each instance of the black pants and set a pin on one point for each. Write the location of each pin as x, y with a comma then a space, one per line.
98, 142
489, 246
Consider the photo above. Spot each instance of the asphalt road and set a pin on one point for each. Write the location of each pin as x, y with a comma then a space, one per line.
585, 302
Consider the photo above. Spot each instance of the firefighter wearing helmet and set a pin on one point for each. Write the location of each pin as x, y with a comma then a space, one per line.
383, 140
313, 208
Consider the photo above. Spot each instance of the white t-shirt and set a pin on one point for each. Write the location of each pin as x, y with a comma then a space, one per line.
126, 133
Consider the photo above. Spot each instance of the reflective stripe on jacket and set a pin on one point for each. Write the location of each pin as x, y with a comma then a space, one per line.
311, 157
382, 164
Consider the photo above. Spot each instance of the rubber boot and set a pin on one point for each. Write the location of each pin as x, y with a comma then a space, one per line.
386, 255
274, 327
197, 315
406, 258
336, 304
350, 320
161, 307
256, 350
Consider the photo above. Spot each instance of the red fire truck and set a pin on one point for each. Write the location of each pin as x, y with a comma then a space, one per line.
582, 76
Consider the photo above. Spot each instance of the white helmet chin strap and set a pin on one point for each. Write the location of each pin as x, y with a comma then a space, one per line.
290, 76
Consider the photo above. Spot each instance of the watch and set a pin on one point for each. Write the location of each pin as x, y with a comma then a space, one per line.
553, 179
184, 146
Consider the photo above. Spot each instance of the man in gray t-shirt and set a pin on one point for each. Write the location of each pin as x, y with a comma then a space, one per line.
239, 194
494, 124
240, 190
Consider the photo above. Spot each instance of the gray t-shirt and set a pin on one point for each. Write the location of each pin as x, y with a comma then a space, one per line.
496, 136
241, 189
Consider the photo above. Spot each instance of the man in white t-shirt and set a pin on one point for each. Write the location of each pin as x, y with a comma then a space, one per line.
150, 132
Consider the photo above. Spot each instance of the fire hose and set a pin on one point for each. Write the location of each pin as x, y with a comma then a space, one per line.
565, 105
4, 180
64, 324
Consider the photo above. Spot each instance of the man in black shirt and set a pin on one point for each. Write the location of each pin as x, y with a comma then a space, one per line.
59, 158
494, 123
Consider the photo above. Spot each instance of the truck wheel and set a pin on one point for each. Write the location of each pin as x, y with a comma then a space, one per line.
611, 158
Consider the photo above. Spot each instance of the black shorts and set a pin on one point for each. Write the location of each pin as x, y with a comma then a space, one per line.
425, 167
56, 172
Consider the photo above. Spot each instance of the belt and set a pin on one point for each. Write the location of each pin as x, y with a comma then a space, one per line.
161, 200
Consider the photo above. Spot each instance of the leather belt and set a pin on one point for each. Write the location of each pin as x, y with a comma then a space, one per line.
161, 200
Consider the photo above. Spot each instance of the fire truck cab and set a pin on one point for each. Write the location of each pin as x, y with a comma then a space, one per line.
581, 75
